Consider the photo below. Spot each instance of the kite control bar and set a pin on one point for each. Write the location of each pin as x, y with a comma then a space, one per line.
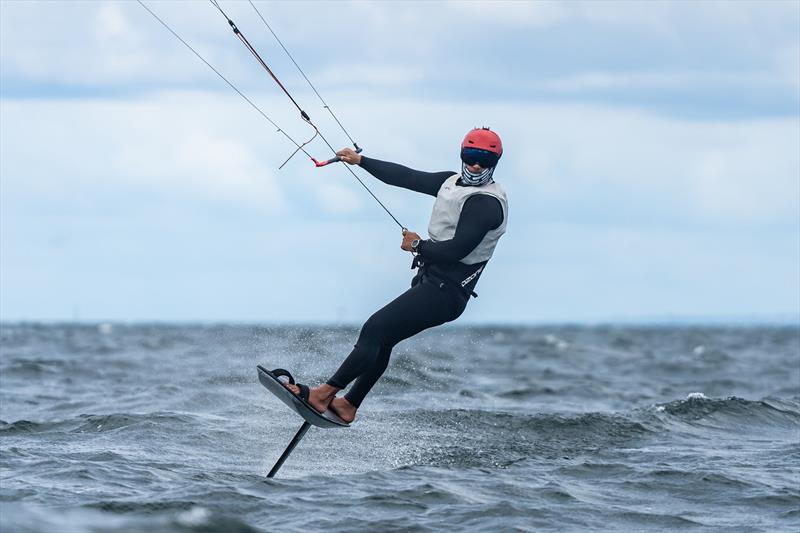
333, 159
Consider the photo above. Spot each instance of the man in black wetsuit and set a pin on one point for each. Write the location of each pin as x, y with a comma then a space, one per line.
468, 218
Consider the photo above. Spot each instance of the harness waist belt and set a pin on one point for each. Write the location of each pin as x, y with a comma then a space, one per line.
442, 282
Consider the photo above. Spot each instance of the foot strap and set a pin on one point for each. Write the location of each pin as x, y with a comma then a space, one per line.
279, 372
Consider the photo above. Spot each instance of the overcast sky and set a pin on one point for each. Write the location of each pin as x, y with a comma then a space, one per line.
651, 158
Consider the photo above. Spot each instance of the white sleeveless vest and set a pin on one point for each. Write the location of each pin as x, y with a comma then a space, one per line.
447, 210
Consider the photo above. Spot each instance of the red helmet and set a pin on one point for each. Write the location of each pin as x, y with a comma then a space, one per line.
483, 139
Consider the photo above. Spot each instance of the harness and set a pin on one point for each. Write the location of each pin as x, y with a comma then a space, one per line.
441, 282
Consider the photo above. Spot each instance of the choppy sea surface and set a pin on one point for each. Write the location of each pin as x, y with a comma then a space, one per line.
119, 428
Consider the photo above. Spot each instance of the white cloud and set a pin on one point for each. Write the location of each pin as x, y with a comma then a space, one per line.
111, 24
632, 81
99, 43
754, 177
224, 168
171, 143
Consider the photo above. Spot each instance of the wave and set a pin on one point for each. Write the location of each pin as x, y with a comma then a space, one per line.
89, 423
731, 414
732, 411
35, 366
473, 437
476, 437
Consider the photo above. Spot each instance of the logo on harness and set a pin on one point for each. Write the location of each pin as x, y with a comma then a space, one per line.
464, 283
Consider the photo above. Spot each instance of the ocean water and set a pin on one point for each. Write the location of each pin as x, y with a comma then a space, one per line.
119, 428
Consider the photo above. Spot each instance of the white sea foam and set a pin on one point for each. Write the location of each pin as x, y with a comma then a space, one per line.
559, 344
194, 517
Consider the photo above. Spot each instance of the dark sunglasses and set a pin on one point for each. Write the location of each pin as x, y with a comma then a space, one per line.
476, 156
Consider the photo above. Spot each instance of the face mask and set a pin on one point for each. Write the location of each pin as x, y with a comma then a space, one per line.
481, 178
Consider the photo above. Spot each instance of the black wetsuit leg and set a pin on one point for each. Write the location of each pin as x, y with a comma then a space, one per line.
423, 306
367, 380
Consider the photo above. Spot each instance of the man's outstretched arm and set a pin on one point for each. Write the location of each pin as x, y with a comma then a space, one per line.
397, 175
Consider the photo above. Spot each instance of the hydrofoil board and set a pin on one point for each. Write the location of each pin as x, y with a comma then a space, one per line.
297, 404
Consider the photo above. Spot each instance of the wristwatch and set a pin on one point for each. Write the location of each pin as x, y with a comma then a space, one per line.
414, 245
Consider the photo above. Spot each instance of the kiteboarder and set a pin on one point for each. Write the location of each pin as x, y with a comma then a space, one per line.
469, 217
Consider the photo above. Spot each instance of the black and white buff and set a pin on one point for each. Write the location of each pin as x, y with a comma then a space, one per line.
476, 179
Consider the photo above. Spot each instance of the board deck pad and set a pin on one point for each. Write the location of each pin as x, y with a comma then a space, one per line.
297, 404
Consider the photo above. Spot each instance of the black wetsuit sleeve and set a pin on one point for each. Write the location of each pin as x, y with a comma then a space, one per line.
480, 214
400, 176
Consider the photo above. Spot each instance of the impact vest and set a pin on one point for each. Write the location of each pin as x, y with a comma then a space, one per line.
447, 210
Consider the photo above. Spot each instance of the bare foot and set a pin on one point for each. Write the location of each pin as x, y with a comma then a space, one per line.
343, 409
319, 397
